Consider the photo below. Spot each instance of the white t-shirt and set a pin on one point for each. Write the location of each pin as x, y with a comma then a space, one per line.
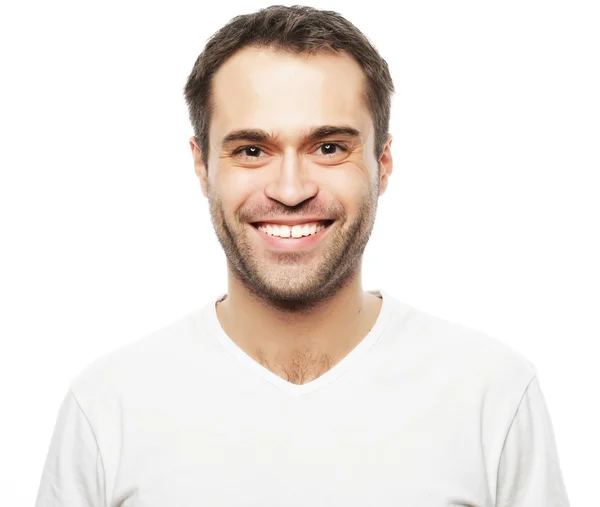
422, 413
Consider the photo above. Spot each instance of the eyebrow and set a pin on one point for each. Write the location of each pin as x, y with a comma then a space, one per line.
314, 134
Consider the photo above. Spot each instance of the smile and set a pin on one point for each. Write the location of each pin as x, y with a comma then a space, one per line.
293, 231
292, 237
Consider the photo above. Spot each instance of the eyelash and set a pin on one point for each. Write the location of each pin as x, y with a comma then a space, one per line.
327, 155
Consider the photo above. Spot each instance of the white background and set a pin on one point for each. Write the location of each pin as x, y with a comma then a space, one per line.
491, 219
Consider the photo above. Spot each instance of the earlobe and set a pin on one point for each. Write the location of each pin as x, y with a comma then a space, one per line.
199, 166
383, 181
385, 166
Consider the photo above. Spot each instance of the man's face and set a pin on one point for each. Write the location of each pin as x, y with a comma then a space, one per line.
266, 173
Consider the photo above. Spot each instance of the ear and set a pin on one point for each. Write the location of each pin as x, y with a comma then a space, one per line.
385, 166
199, 167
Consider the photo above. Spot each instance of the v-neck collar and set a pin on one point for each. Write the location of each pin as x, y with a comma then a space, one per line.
329, 376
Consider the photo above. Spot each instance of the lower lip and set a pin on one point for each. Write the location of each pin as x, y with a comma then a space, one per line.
292, 244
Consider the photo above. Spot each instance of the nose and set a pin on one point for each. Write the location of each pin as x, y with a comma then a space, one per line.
292, 183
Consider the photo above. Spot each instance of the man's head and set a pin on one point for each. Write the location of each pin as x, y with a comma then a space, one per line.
290, 107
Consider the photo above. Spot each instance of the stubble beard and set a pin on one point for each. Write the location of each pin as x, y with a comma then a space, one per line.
285, 281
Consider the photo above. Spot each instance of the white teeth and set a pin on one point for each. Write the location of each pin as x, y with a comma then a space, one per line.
295, 231
308, 229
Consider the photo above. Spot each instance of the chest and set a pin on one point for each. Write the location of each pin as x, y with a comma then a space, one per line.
377, 451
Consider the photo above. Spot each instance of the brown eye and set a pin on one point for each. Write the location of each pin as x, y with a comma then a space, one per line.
248, 152
331, 149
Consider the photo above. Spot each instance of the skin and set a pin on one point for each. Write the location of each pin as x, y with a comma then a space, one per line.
299, 312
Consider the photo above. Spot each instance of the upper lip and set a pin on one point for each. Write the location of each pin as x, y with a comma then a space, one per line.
292, 221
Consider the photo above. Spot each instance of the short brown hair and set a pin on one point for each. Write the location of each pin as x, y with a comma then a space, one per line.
297, 29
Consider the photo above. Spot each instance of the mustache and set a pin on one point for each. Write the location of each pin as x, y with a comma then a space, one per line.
301, 210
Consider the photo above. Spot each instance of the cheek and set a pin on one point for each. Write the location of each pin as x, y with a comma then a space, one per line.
236, 189
351, 184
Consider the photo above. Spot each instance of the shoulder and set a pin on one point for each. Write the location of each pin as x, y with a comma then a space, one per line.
458, 353
138, 365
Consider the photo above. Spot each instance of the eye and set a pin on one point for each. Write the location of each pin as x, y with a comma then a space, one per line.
248, 152
331, 149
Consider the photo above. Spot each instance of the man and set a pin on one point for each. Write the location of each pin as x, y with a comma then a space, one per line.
297, 387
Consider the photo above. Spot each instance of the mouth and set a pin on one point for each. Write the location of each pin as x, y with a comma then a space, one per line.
295, 231
292, 237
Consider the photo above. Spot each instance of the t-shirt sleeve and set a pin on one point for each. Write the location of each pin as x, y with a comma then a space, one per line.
73, 474
529, 469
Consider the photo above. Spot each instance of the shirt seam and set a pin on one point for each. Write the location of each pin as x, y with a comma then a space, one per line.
512, 421
96, 442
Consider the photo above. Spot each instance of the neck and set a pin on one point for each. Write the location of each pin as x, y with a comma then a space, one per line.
273, 336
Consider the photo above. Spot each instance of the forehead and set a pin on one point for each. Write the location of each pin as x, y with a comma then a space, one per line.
285, 93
